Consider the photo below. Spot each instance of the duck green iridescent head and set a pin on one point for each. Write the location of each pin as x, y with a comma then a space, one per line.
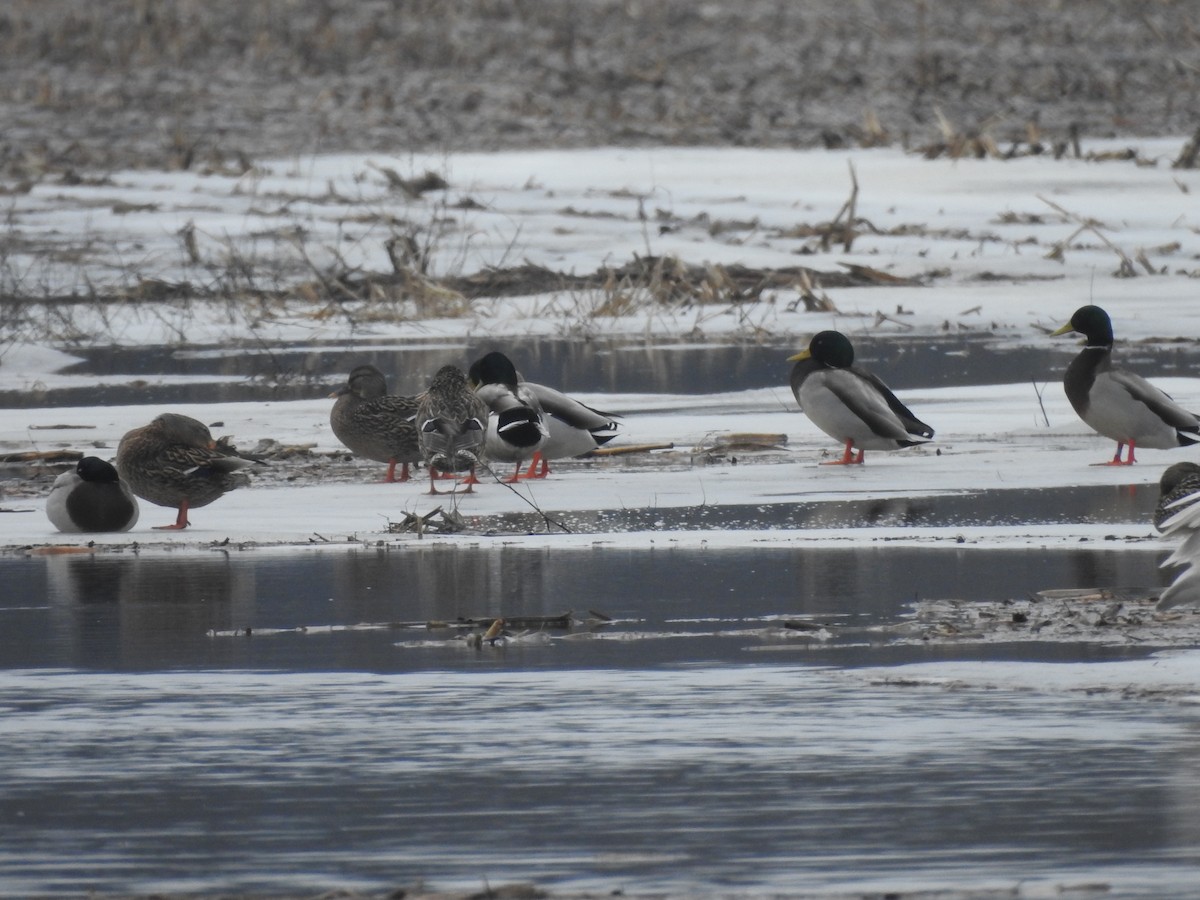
493, 368
829, 348
1093, 323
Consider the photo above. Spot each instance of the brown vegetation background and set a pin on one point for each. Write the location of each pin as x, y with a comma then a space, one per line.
110, 83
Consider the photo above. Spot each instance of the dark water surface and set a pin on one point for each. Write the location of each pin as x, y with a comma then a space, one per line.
1076, 504
149, 743
602, 365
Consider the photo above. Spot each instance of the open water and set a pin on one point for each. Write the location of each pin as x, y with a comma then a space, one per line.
611, 365
272, 722
715, 721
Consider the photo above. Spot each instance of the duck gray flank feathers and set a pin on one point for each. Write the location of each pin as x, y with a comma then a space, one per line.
850, 404
516, 430
575, 428
1119, 404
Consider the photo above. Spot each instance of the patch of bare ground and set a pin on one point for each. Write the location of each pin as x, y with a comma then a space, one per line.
531, 892
212, 86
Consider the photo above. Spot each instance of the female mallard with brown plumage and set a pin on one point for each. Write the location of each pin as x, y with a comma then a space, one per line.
375, 424
175, 462
451, 423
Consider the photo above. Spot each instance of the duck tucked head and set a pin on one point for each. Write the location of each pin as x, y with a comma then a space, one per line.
365, 382
178, 429
831, 349
1177, 475
96, 470
493, 368
1093, 323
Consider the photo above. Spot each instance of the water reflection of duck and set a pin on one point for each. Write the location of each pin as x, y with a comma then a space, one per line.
516, 431
850, 404
1178, 512
91, 498
1117, 403
175, 462
450, 426
375, 424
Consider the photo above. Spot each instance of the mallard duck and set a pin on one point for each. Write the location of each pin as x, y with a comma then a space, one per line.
91, 498
575, 428
515, 427
1178, 512
1116, 403
175, 462
451, 422
374, 423
850, 404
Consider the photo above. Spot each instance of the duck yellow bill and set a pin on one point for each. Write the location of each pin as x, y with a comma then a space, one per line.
803, 354
1066, 329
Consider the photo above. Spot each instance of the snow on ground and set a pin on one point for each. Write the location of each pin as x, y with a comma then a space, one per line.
977, 232
988, 439
980, 229
1168, 673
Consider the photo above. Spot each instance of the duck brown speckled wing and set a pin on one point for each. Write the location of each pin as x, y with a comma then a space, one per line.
374, 424
451, 422
175, 462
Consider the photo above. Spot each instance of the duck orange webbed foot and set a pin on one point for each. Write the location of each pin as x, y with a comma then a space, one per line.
390, 477
181, 521
848, 458
539, 467
1116, 460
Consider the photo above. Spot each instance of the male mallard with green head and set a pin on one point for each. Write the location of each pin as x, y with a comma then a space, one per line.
850, 404
1119, 404
516, 430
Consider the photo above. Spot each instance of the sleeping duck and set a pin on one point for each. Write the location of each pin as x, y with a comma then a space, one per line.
175, 462
1117, 403
850, 404
91, 498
